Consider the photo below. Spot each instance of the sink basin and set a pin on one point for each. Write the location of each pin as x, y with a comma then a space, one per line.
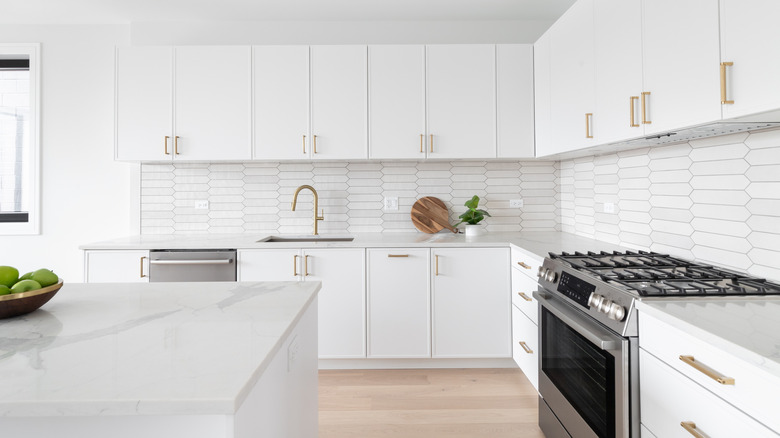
292, 239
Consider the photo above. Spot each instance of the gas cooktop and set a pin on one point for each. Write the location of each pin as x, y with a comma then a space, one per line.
651, 274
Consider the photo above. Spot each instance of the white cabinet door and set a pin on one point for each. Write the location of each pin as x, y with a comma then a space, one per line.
339, 102
618, 55
213, 97
461, 101
269, 265
525, 345
681, 59
542, 93
515, 100
144, 99
396, 96
281, 102
342, 300
471, 302
572, 80
117, 266
398, 303
748, 28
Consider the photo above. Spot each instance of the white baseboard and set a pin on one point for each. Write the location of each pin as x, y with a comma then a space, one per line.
372, 364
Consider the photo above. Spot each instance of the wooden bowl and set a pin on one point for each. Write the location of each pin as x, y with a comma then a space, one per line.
26, 302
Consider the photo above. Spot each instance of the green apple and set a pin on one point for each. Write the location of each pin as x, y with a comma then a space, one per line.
26, 276
44, 277
25, 286
8, 275
4, 290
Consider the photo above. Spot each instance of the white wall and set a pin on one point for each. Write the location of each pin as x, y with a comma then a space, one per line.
85, 195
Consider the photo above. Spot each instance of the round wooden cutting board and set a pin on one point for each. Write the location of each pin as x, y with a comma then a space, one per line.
430, 215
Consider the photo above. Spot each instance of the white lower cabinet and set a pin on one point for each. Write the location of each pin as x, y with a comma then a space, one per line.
109, 266
342, 318
471, 307
525, 345
399, 323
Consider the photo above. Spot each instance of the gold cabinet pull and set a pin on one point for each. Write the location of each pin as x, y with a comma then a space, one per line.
524, 265
142, 266
167, 137
525, 347
644, 108
524, 296
707, 371
176, 145
398, 255
295, 266
723, 99
588, 117
690, 427
304, 144
315, 144
431, 145
631, 101
306, 266
437, 265
421, 143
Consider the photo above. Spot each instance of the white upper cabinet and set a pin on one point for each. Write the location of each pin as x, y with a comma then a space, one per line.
572, 81
618, 55
281, 102
680, 63
750, 36
515, 100
144, 105
461, 101
339, 102
542, 118
396, 96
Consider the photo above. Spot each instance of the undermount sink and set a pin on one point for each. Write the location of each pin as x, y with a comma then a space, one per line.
291, 239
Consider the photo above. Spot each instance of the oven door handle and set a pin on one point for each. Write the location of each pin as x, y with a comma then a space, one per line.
594, 333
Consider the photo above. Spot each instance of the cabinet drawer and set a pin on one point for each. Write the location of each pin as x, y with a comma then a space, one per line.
668, 399
754, 390
522, 290
525, 262
525, 331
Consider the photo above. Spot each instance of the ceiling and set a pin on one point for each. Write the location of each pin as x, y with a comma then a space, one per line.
128, 11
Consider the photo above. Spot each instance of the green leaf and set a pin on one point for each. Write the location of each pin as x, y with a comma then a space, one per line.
472, 203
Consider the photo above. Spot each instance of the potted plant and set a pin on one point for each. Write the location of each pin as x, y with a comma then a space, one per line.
472, 217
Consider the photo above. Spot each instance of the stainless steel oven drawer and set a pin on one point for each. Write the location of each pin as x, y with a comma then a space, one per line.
192, 265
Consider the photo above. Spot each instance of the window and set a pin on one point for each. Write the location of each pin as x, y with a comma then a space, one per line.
19, 148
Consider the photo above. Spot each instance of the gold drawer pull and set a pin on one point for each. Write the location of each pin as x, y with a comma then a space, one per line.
421, 143
525, 347
524, 265
644, 108
142, 266
167, 137
709, 372
176, 145
306, 266
304, 144
690, 426
631, 100
524, 296
588, 118
295, 266
437, 265
398, 255
723, 98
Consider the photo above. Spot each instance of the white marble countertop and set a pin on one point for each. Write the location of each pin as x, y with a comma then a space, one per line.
745, 327
153, 348
539, 243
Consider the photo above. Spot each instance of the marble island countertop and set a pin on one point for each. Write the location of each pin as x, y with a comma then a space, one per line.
155, 348
538, 243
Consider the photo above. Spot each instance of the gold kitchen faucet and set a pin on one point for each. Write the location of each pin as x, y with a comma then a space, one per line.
316, 200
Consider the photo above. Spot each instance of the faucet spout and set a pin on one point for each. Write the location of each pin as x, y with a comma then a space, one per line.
316, 201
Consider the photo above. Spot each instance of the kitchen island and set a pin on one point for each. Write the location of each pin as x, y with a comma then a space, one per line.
162, 360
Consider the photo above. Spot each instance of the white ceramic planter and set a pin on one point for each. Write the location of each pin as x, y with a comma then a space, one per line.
473, 230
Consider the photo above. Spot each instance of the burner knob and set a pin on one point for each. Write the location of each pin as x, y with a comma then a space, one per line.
550, 276
605, 306
595, 300
540, 272
616, 312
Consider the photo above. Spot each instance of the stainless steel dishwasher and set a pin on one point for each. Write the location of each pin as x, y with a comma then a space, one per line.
192, 265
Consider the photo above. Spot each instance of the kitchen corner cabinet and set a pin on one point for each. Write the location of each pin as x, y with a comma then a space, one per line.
399, 324
748, 28
109, 266
514, 101
185, 103
471, 307
342, 318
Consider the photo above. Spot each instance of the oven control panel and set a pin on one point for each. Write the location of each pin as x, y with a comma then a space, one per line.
576, 289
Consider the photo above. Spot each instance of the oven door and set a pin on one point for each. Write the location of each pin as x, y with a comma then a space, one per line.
585, 375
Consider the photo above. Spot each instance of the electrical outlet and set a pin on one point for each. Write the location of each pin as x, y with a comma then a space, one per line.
391, 203
201, 205
516, 203
609, 207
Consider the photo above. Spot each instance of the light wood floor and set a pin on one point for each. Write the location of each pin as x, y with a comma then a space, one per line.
427, 403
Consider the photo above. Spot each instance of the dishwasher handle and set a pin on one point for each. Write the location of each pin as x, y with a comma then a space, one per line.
191, 262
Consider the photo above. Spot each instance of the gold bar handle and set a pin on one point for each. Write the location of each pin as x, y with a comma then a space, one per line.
644, 108
167, 137
315, 144
431, 145
142, 266
525, 347
723, 99
304, 144
690, 427
398, 255
421, 143
524, 296
437, 265
707, 371
306, 266
295, 266
588, 117
524, 265
176, 145
631, 101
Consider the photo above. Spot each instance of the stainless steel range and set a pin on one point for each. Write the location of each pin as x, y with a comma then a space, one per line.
588, 337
